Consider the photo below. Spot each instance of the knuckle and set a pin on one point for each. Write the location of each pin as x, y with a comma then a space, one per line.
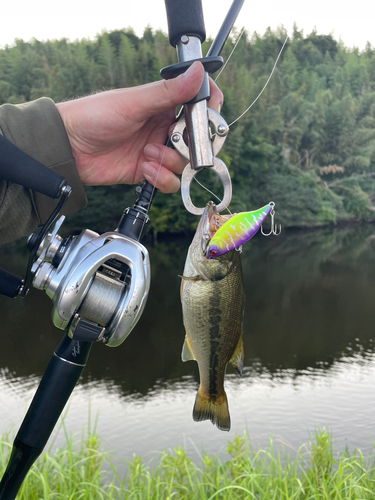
167, 91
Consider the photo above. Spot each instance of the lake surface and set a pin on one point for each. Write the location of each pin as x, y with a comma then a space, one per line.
309, 352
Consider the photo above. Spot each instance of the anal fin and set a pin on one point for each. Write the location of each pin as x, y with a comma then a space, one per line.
187, 353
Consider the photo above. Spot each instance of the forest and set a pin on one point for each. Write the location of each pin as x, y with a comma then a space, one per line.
307, 143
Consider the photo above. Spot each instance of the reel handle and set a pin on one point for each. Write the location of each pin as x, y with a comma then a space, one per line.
10, 284
18, 167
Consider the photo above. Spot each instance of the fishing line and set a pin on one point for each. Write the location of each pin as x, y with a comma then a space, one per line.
213, 194
153, 191
265, 85
230, 55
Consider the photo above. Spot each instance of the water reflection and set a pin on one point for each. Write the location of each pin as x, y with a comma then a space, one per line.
309, 354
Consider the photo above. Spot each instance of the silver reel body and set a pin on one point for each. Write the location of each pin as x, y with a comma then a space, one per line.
101, 282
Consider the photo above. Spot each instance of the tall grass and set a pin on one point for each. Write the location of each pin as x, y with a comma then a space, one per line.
313, 473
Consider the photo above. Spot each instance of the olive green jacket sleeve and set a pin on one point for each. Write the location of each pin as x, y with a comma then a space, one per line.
38, 130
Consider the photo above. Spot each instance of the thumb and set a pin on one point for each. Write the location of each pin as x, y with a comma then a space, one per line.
160, 96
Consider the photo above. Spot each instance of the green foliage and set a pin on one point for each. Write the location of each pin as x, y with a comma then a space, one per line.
322, 460
248, 473
357, 202
318, 110
327, 214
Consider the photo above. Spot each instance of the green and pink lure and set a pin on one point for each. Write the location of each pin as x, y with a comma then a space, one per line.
236, 231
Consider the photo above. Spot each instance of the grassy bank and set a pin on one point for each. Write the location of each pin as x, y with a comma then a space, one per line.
313, 473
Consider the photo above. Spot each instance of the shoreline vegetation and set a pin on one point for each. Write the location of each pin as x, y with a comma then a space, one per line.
308, 143
263, 474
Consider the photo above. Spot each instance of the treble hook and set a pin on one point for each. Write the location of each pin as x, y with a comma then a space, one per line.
273, 226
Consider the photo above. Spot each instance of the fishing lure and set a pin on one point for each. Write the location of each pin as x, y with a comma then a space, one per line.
237, 230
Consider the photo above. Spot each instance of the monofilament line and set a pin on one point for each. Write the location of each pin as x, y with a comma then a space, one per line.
265, 85
153, 191
230, 55
213, 194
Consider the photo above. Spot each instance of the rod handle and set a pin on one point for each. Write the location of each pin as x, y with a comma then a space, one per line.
20, 462
58, 382
55, 388
185, 17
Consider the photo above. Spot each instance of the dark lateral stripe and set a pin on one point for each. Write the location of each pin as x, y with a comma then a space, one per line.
214, 320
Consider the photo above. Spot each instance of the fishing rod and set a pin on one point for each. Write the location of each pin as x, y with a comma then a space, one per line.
99, 283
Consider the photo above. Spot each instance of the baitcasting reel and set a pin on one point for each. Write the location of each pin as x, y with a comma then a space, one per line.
98, 283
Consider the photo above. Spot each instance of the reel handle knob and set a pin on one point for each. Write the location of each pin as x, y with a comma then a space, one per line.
18, 167
10, 284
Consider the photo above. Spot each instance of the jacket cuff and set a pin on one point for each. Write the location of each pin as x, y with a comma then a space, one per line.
37, 128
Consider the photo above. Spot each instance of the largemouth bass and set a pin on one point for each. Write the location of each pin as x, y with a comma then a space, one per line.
213, 301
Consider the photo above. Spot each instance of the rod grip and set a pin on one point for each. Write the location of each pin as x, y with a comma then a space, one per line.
58, 382
18, 167
20, 462
185, 17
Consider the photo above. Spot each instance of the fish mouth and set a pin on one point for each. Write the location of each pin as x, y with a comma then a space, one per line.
210, 209
204, 229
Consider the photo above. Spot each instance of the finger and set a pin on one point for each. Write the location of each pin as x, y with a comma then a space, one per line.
160, 177
157, 97
217, 97
170, 158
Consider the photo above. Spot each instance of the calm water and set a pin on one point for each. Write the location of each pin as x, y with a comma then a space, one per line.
309, 352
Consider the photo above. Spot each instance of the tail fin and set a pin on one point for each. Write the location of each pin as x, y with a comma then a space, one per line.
215, 410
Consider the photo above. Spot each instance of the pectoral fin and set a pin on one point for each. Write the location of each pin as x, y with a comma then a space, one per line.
237, 359
187, 353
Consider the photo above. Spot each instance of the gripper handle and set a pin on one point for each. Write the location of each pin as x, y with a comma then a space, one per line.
185, 17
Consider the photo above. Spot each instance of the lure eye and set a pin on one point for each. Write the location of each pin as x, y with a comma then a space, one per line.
213, 253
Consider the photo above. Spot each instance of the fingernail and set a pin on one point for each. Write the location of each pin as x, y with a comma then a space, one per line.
152, 151
148, 169
191, 69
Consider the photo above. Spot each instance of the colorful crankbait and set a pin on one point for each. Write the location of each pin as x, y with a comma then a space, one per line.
237, 230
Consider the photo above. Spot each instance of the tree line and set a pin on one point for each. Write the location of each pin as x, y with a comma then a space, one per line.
308, 142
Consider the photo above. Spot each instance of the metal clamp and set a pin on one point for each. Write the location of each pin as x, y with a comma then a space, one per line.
220, 132
221, 171
219, 135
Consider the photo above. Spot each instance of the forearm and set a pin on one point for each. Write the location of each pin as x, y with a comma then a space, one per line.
38, 130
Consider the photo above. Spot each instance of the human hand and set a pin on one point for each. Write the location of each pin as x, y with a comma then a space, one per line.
118, 136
